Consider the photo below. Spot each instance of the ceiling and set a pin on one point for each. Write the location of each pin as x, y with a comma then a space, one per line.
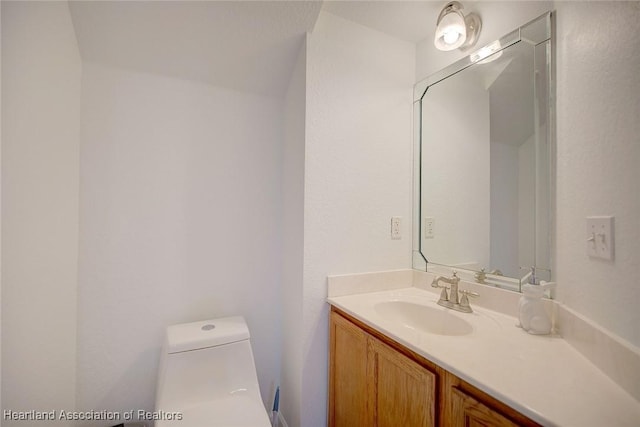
411, 21
244, 45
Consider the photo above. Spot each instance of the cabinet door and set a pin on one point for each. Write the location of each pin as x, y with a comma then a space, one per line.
348, 375
468, 412
402, 392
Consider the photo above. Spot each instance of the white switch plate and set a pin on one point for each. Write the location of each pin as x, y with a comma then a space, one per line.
600, 237
429, 228
396, 231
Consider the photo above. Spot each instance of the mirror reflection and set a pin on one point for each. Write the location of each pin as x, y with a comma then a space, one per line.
484, 163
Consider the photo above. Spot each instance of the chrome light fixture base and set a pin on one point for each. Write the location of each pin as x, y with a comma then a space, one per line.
474, 25
454, 30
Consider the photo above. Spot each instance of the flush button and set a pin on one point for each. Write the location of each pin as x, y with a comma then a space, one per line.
208, 327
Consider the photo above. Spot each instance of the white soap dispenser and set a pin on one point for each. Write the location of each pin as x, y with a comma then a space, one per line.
531, 312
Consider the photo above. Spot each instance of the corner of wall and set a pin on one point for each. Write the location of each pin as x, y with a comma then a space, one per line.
1, 208
39, 220
358, 145
293, 238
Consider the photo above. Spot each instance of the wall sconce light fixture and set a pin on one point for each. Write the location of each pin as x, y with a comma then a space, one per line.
454, 30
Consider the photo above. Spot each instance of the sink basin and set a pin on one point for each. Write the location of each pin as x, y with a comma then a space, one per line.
432, 320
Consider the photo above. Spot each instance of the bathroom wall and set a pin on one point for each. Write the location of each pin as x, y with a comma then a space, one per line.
357, 175
293, 240
1, 211
598, 123
41, 71
180, 220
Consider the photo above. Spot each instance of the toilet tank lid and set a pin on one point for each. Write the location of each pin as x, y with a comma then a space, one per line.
206, 333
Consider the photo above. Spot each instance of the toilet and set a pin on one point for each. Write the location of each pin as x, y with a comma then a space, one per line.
207, 377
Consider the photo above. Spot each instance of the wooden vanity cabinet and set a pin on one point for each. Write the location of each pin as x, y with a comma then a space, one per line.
348, 381
374, 381
467, 411
372, 384
467, 406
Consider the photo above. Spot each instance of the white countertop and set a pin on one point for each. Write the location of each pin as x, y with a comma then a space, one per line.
543, 377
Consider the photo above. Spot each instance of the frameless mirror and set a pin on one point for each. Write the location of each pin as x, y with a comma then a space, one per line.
484, 162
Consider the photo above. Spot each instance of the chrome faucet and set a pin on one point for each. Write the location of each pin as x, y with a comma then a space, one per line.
451, 299
453, 293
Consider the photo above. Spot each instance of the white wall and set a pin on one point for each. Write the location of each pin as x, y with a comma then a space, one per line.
598, 123
357, 174
0, 211
293, 240
180, 221
41, 73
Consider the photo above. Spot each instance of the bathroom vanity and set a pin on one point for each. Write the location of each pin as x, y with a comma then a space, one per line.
398, 358
376, 381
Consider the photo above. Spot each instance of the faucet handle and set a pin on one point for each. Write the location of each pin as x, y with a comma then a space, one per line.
464, 301
466, 293
444, 296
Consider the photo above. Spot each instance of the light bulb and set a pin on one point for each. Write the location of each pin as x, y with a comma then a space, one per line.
451, 31
451, 36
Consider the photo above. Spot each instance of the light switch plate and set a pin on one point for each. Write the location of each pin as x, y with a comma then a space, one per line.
600, 241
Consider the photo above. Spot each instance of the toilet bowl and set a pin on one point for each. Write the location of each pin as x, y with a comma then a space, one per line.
207, 377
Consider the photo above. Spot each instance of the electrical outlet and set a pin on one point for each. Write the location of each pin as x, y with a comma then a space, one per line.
600, 237
429, 228
396, 231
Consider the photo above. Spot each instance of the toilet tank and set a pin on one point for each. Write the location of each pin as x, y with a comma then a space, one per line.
204, 361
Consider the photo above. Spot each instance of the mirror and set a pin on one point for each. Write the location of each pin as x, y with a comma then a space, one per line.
483, 162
